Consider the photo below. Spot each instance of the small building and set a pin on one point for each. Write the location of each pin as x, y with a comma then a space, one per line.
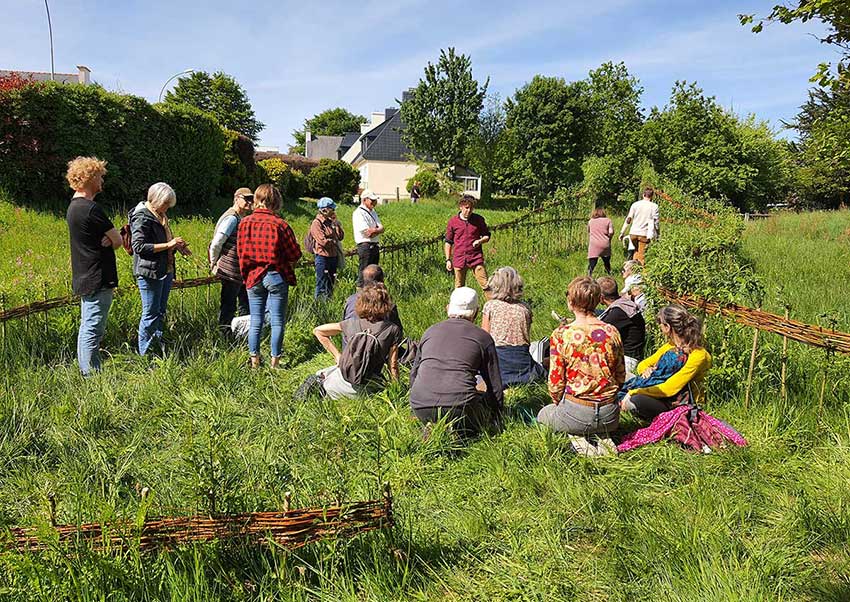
321, 147
82, 76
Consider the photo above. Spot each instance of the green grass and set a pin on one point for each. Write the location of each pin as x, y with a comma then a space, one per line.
510, 517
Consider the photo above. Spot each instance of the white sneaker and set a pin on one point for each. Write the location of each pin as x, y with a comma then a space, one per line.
583, 447
606, 447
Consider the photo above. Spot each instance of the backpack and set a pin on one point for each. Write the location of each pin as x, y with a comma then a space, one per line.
309, 243
362, 359
127, 239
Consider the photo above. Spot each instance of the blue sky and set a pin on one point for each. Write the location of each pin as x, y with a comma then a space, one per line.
297, 58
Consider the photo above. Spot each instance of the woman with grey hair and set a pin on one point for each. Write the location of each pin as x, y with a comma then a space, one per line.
508, 320
153, 259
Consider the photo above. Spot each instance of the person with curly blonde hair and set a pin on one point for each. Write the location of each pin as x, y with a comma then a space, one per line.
93, 243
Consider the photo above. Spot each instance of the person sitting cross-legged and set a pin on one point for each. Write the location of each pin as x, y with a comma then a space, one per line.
452, 354
586, 369
372, 343
508, 320
372, 274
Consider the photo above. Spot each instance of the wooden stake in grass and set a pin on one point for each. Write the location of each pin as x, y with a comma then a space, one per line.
784, 388
752, 367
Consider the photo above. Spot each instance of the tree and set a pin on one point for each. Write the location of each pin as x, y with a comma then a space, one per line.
484, 155
333, 178
441, 116
834, 13
331, 122
548, 121
822, 154
221, 96
711, 152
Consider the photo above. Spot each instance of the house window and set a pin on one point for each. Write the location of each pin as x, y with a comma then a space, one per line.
470, 184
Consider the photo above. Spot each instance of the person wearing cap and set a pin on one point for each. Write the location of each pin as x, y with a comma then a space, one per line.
466, 233
367, 228
327, 233
224, 261
452, 354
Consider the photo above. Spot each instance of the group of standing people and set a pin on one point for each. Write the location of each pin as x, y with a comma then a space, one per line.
642, 222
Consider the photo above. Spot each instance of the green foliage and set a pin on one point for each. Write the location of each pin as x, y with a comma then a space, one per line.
488, 153
429, 181
336, 179
601, 179
331, 122
291, 182
239, 165
824, 162
548, 119
44, 126
835, 14
441, 117
711, 152
221, 96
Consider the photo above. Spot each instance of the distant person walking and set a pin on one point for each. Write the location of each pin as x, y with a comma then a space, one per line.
94, 275
327, 235
224, 259
644, 220
600, 231
267, 252
367, 229
466, 234
415, 192
153, 260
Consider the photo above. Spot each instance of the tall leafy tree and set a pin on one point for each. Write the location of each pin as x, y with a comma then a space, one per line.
710, 151
486, 150
441, 116
548, 121
330, 122
221, 96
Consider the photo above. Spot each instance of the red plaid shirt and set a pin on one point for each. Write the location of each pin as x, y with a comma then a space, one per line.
265, 242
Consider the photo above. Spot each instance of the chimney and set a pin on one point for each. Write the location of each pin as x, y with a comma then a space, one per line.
83, 75
407, 94
308, 137
389, 112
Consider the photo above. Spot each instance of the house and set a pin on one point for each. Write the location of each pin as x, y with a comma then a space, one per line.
82, 76
321, 147
385, 162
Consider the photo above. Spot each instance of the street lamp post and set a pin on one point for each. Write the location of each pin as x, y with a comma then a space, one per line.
50, 30
170, 78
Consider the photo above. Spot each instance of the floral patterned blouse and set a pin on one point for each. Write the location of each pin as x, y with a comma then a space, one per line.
509, 322
587, 363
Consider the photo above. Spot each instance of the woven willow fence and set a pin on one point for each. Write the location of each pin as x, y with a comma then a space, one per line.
290, 529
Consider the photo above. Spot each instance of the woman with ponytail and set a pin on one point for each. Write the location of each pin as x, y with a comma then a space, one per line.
684, 335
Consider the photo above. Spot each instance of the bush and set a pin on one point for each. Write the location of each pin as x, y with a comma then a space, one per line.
43, 126
291, 182
239, 166
429, 183
336, 179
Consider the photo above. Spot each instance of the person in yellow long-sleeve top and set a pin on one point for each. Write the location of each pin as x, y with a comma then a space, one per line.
684, 333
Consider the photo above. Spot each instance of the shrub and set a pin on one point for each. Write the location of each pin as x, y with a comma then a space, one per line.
43, 126
336, 179
291, 182
239, 166
429, 183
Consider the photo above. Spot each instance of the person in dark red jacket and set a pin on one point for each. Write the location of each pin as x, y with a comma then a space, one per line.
466, 232
267, 251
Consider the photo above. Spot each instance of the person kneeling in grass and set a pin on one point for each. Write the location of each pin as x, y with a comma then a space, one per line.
586, 369
452, 354
372, 343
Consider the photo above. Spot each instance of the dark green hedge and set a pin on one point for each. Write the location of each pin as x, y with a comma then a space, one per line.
43, 126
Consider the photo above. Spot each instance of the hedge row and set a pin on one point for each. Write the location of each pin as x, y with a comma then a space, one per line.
43, 126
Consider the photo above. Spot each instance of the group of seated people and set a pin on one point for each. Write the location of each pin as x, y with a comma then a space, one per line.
459, 371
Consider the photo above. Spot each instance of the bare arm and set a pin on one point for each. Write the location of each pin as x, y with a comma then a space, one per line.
485, 321
112, 238
324, 333
392, 363
447, 250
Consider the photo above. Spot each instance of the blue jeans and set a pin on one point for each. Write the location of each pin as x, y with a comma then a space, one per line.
94, 310
154, 294
269, 294
325, 275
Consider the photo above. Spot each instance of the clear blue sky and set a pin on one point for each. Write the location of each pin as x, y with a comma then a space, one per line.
297, 58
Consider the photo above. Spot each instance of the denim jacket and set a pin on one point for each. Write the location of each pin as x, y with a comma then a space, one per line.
146, 231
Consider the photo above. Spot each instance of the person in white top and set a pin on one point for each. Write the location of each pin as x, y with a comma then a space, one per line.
367, 228
643, 217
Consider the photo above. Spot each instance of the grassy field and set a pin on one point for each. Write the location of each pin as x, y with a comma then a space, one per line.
510, 517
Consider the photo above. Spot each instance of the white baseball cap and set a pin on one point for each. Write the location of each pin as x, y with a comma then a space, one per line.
368, 194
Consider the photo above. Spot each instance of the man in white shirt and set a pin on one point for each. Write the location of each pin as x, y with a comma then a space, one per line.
643, 217
367, 228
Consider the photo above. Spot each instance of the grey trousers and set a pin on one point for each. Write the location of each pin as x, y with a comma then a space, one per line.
576, 419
